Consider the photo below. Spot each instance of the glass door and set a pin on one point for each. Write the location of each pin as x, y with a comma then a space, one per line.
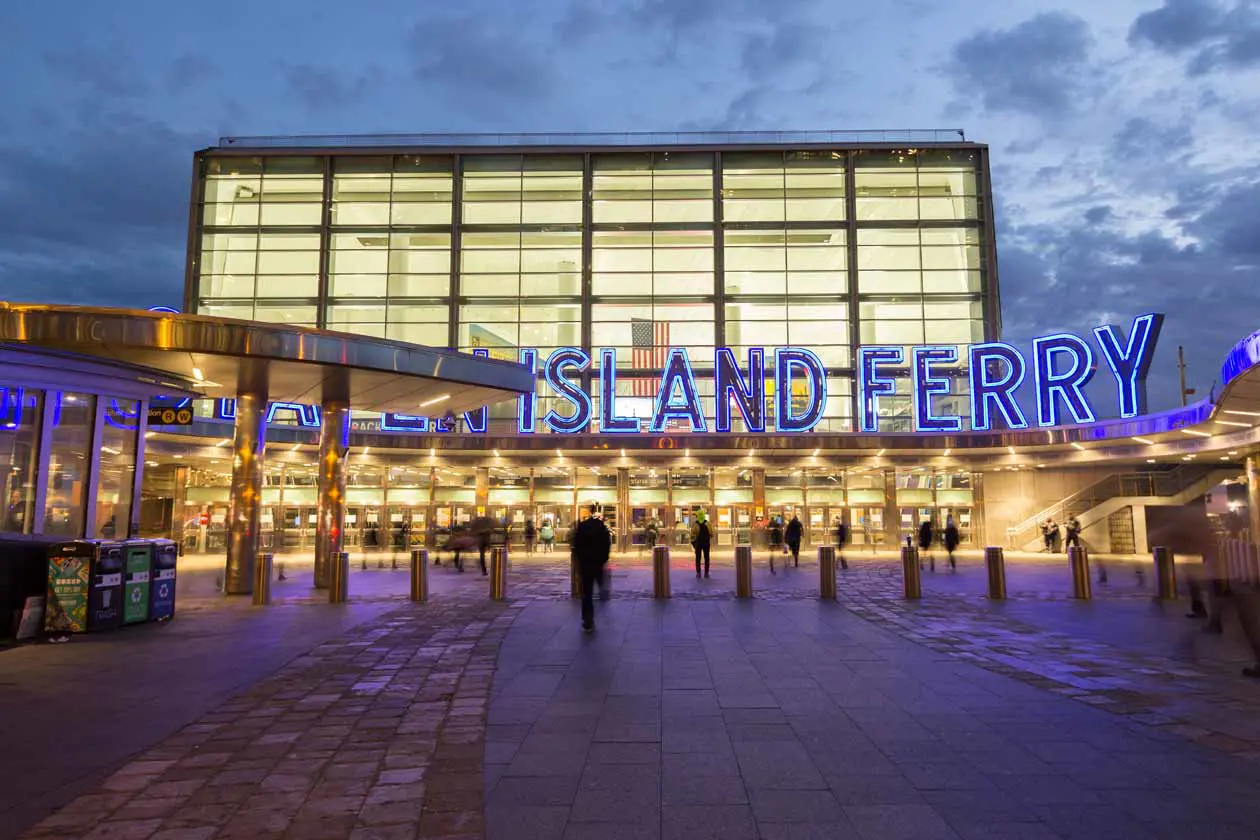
866, 525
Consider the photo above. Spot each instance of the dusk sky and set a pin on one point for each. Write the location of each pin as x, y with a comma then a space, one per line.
1122, 133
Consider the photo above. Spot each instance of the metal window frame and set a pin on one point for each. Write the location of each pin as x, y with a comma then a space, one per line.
43, 462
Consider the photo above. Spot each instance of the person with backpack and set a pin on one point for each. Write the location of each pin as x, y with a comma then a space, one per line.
792, 536
951, 540
548, 536
591, 544
842, 536
925, 542
701, 538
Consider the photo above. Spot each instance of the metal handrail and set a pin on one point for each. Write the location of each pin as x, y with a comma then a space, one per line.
600, 138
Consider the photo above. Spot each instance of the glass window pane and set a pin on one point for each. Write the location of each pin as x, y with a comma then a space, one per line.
117, 469
73, 418
287, 285
20, 412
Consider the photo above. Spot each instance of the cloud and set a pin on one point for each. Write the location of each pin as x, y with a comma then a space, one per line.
1215, 36
188, 70
1039, 67
785, 45
104, 73
321, 88
481, 56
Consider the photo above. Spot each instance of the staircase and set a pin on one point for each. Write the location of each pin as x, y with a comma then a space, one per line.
1174, 486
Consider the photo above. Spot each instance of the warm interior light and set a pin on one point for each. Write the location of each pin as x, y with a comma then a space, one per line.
1196, 433
1010, 449
1232, 423
880, 453
496, 453
432, 451
1242, 413
197, 374
945, 454
224, 442
686, 453
435, 400
1076, 445
1150, 460
816, 451
559, 454
296, 447
1147, 441
146, 434
623, 452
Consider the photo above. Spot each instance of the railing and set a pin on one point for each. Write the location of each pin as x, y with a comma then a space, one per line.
605, 138
1160, 483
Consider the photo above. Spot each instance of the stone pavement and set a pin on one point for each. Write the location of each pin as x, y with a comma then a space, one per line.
704, 716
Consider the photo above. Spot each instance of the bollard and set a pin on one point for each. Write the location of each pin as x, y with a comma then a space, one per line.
1165, 574
743, 571
393, 562
498, 573
262, 580
827, 572
660, 571
339, 578
280, 571
363, 564
575, 578
995, 563
910, 573
1078, 562
419, 574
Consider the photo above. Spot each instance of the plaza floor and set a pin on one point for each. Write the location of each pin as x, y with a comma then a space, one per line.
699, 717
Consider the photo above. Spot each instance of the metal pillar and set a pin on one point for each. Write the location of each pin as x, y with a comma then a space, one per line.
995, 564
420, 574
1165, 574
1078, 561
330, 516
245, 504
262, 580
1253, 496
827, 572
498, 573
339, 579
911, 585
660, 571
743, 571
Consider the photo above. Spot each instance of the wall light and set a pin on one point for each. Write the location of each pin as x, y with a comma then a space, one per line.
224, 442
1196, 433
435, 400
1242, 413
1076, 445
880, 453
1147, 441
1232, 423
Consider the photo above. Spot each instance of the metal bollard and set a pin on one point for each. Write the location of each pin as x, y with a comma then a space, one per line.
910, 573
827, 572
575, 578
743, 571
339, 578
420, 574
1165, 574
660, 571
498, 573
363, 564
262, 580
995, 563
1078, 562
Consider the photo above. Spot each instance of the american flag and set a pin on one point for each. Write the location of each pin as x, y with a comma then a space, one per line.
650, 340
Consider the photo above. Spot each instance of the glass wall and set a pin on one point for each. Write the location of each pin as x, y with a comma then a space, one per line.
116, 475
821, 249
73, 418
20, 413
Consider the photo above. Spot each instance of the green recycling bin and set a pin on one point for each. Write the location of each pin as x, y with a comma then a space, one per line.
137, 560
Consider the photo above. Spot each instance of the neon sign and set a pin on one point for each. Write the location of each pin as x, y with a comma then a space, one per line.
1060, 367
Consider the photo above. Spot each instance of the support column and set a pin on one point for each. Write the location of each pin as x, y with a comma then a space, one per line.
892, 512
482, 491
245, 504
1253, 496
179, 498
759, 493
330, 513
624, 525
137, 475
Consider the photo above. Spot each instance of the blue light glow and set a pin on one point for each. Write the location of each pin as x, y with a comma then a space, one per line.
787, 359
608, 420
998, 393
1066, 384
307, 415
565, 389
525, 402
678, 374
1131, 364
872, 386
391, 422
926, 386
478, 420
749, 398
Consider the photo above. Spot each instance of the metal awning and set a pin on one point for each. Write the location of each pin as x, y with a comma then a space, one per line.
218, 356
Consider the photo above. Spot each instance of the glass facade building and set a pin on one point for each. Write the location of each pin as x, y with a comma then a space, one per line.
818, 245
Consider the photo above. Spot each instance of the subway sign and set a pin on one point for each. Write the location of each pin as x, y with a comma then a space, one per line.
1059, 367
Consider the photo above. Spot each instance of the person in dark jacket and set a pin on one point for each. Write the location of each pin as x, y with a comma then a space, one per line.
775, 532
591, 543
842, 537
951, 540
531, 534
925, 542
482, 529
792, 536
701, 539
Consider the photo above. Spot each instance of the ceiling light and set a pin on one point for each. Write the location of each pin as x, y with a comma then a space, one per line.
295, 447
559, 454
197, 374
1232, 423
177, 456
111, 450
366, 450
150, 463
1147, 441
1010, 449
880, 453
432, 451
752, 452
816, 451
686, 453
1196, 433
225, 442
1150, 460
1233, 452
1076, 445
945, 454
1224, 457
496, 453
623, 452
435, 400
1242, 413
147, 434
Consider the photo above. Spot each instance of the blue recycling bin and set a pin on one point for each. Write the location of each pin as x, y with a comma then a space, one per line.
162, 580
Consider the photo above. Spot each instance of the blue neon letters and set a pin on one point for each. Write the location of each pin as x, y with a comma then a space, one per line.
1131, 364
581, 417
729, 385
1054, 383
927, 385
988, 391
872, 386
678, 374
787, 359
608, 419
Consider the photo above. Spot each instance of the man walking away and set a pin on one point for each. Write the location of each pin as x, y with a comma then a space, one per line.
482, 529
951, 540
925, 542
591, 543
700, 539
531, 534
842, 536
793, 538
776, 539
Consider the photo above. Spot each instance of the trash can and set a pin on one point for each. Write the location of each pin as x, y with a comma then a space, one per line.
85, 586
137, 564
162, 580
105, 600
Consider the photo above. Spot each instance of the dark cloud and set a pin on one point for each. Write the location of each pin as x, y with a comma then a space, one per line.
1098, 215
1040, 67
487, 57
107, 73
784, 46
321, 88
1142, 139
1214, 35
187, 71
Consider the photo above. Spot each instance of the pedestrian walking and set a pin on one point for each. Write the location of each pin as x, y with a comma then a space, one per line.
775, 534
651, 534
531, 534
591, 543
925, 541
482, 529
951, 540
701, 537
548, 536
1073, 528
842, 536
792, 536
1048, 530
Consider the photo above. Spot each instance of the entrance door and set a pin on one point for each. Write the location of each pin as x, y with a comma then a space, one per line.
912, 518
962, 519
822, 523
640, 516
561, 518
866, 525
734, 525
298, 527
